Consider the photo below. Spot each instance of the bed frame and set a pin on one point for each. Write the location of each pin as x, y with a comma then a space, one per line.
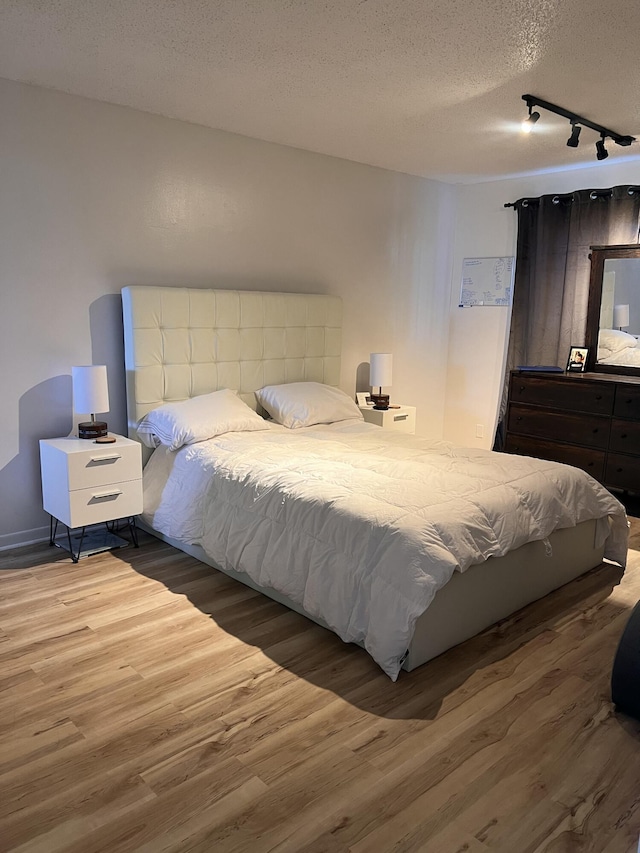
181, 342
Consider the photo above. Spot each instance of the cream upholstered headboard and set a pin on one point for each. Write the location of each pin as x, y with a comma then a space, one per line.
180, 342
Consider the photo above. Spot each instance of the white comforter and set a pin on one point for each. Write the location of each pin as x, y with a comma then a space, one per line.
362, 526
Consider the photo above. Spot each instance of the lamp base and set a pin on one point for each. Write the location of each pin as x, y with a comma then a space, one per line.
380, 401
92, 429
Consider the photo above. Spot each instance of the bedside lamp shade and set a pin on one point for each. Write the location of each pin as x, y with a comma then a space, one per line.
621, 316
90, 395
380, 370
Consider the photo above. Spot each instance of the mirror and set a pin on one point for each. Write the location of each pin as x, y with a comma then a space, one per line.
613, 314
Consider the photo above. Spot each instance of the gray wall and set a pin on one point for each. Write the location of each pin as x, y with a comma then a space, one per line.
95, 197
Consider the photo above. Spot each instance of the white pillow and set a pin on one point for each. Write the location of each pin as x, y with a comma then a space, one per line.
301, 404
198, 419
615, 340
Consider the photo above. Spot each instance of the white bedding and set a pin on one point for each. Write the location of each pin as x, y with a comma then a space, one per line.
362, 526
629, 357
618, 347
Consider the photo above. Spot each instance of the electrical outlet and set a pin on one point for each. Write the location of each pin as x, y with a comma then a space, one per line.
479, 430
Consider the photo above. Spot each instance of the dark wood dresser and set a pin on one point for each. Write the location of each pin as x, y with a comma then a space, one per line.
590, 420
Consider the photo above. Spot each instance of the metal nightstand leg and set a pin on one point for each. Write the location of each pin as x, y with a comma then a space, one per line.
133, 530
112, 526
90, 542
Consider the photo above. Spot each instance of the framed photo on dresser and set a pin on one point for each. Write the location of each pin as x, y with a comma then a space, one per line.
577, 360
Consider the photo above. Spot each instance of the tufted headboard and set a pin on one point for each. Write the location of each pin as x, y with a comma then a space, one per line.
180, 342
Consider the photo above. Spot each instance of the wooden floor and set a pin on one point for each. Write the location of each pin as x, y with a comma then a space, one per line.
150, 704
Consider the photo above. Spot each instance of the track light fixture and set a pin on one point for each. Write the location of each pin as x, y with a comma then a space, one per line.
601, 151
532, 118
577, 123
574, 140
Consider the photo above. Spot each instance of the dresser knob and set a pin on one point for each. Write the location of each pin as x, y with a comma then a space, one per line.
619, 470
596, 430
598, 396
623, 435
519, 418
521, 389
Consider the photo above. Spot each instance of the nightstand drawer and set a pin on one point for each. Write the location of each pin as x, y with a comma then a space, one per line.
94, 505
103, 466
399, 420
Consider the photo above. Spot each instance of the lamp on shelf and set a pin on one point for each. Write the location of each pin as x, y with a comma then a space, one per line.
90, 395
380, 375
621, 316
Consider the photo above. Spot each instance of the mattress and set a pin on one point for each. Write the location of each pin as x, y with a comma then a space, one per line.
361, 526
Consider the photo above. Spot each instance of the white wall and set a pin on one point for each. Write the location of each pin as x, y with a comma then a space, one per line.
95, 197
478, 336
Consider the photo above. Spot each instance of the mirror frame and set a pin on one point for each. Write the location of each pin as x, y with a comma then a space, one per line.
598, 255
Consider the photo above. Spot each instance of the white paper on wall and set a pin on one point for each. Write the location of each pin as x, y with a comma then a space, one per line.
487, 281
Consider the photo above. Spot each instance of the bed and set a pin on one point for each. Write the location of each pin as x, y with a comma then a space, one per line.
332, 519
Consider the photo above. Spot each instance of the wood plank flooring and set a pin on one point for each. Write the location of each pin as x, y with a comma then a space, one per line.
150, 704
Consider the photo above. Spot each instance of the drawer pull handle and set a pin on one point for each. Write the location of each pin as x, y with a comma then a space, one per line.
598, 396
400, 417
623, 435
595, 430
518, 419
113, 457
521, 388
619, 470
105, 496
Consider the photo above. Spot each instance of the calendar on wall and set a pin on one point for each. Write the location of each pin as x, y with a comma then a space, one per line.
487, 281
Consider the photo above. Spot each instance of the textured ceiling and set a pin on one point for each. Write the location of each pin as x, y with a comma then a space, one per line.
428, 87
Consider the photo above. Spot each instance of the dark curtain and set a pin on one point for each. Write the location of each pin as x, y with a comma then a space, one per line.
551, 286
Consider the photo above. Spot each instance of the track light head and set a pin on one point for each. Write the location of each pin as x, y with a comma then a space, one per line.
601, 151
574, 140
532, 118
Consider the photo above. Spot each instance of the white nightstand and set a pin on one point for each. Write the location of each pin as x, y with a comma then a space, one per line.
401, 420
85, 483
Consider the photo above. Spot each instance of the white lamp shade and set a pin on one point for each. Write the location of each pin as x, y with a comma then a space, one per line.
620, 316
90, 389
381, 364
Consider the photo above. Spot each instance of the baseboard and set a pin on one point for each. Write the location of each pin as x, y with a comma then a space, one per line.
24, 537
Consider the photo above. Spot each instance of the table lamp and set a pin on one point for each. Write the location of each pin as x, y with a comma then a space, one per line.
621, 316
90, 395
380, 375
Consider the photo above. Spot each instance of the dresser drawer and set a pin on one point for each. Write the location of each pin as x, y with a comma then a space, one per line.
591, 461
570, 395
627, 403
625, 436
622, 472
587, 430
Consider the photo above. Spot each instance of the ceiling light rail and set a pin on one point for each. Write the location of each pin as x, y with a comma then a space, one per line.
577, 123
